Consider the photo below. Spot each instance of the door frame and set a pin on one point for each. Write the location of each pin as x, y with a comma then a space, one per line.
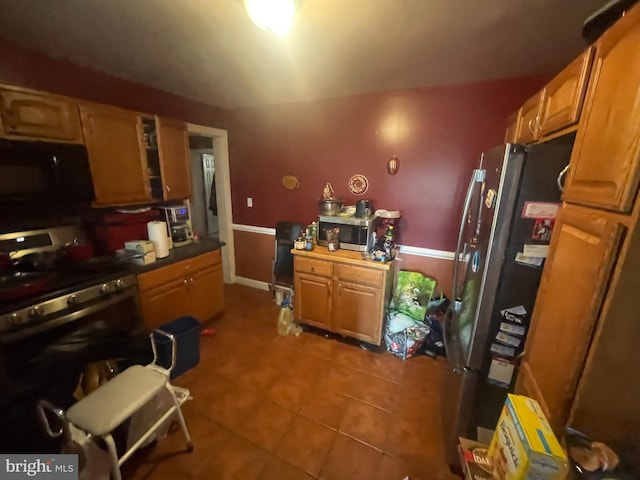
223, 194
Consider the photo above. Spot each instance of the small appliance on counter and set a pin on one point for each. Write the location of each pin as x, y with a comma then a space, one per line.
354, 233
364, 208
179, 224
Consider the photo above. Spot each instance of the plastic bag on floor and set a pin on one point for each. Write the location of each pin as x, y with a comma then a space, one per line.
412, 294
434, 342
286, 325
404, 335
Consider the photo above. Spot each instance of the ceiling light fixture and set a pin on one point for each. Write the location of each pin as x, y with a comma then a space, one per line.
275, 16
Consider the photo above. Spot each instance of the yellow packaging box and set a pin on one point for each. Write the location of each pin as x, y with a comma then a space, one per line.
523, 445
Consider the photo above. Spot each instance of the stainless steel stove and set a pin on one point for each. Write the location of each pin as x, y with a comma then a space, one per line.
56, 318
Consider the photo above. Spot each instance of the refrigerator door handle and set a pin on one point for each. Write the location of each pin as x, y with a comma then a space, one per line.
478, 176
453, 355
559, 179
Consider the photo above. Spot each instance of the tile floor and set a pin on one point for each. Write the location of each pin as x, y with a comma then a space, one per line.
289, 408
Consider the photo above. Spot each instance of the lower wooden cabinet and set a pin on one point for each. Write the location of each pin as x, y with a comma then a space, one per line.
575, 280
342, 293
190, 287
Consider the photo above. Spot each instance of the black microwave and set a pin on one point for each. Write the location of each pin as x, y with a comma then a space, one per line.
44, 172
354, 233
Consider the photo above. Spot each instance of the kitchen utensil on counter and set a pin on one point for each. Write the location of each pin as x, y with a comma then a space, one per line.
180, 234
157, 232
45, 261
78, 251
15, 286
364, 208
330, 207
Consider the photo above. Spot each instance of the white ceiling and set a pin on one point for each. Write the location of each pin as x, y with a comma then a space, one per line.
209, 50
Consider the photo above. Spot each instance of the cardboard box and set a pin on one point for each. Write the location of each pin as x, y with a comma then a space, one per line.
474, 458
139, 246
523, 445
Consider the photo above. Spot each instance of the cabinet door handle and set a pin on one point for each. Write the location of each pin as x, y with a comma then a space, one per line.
191, 280
184, 281
168, 188
531, 127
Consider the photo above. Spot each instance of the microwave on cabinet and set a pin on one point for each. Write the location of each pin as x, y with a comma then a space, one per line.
36, 172
354, 233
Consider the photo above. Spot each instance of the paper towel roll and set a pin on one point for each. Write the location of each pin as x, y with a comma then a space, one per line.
158, 235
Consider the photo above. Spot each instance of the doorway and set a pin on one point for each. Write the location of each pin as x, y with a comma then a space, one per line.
211, 190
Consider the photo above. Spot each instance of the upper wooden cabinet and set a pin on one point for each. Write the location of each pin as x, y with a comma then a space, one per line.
556, 107
116, 154
563, 97
173, 144
135, 158
604, 164
582, 254
529, 121
26, 114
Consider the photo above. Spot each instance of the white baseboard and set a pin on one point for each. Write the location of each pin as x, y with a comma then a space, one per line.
250, 282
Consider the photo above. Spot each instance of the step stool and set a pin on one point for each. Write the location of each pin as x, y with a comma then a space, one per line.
100, 412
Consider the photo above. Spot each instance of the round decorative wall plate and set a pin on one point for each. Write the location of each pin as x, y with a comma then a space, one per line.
358, 184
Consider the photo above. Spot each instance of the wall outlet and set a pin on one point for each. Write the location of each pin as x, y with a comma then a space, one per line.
249, 202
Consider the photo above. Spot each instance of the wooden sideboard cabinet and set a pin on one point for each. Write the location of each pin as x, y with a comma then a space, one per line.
340, 292
27, 114
190, 287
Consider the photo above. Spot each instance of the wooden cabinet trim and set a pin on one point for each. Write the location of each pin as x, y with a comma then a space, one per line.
513, 123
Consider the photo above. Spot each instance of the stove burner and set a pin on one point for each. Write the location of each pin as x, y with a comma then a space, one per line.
19, 285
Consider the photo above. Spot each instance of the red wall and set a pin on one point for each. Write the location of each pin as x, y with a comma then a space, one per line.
27, 68
438, 134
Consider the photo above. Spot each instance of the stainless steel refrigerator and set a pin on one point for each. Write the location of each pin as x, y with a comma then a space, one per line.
506, 226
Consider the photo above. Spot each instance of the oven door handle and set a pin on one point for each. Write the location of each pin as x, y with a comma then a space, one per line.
10, 337
57, 413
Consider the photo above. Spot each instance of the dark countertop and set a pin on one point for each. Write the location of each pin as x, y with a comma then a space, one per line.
176, 254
